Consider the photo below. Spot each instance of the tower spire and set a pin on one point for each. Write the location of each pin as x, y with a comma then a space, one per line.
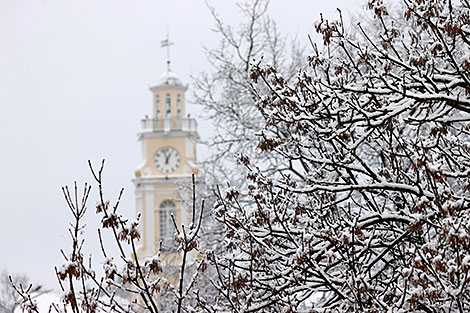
167, 43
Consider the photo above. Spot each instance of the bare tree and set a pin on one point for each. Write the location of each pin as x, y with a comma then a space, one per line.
226, 94
372, 212
125, 283
8, 295
225, 90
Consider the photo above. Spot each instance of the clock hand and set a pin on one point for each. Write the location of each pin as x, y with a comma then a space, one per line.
167, 157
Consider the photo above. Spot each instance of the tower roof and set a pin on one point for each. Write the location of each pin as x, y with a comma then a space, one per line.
168, 80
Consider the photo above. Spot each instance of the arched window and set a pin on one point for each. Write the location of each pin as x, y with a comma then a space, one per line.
168, 105
157, 105
178, 106
167, 228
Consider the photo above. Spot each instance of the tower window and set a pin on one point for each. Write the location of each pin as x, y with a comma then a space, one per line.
178, 106
157, 105
168, 105
167, 208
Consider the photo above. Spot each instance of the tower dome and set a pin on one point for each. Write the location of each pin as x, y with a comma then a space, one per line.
168, 80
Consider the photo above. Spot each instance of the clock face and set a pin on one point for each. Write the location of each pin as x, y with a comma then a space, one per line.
167, 160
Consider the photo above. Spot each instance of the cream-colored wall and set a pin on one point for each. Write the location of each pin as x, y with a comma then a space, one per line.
148, 206
144, 218
173, 94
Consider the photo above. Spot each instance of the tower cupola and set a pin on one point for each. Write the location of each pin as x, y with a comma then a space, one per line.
168, 80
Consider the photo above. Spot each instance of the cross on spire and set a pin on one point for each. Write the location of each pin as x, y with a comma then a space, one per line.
167, 43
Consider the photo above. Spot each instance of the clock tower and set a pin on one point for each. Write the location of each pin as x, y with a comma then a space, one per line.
168, 140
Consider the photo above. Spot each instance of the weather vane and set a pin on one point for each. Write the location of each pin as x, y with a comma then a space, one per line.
167, 43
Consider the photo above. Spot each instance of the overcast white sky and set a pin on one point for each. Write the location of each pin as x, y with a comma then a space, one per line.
74, 77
